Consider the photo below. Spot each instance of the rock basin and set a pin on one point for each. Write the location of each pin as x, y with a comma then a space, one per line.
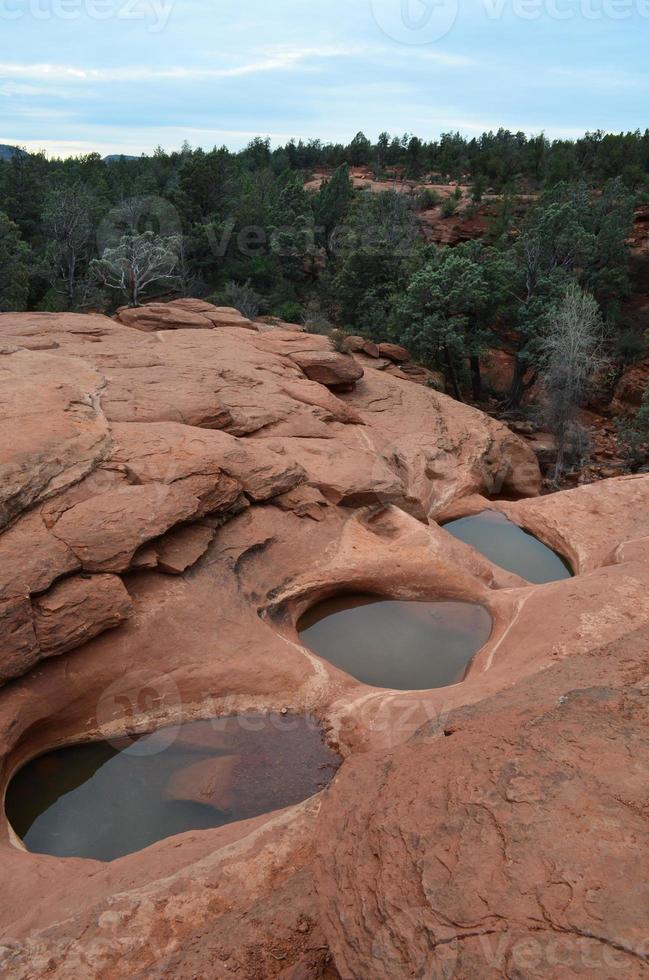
509, 546
405, 646
103, 800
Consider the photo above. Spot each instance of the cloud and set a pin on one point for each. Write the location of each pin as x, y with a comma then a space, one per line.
278, 61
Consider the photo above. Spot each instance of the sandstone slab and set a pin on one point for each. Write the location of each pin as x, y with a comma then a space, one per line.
78, 609
394, 352
105, 532
182, 547
329, 368
53, 430
182, 314
359, 345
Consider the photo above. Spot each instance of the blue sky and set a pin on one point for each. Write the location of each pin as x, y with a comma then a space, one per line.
127, 75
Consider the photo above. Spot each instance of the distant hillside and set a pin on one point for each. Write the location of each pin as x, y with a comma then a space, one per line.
116, 157
7, 152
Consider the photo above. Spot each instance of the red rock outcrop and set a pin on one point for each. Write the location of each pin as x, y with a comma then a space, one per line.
337, 371
359, 345
631, 389
185, 496
135, 434
394, 352
182, 314
53, 430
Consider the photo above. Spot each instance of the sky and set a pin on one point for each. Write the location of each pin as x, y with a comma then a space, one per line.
124, 76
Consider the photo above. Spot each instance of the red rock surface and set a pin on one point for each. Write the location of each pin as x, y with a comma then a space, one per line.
630, 390
494, 828
53, 430
182, 314
394, 352
329, 368
359, 345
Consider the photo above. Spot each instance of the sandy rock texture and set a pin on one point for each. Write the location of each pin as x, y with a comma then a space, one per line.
182, 493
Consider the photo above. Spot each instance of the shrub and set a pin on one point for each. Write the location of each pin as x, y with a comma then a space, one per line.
339, 341
633, 436
449, 207
290, 312
427, 199
243, 298
315, 319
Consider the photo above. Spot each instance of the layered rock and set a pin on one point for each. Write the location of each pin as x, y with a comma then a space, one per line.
194, 493
491, 828
72, 612
53, 430
182, 314
631, 389
394, 352
336, 371
123, 433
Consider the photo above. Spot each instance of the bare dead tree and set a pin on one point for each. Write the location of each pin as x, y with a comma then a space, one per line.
571, 355
137, 262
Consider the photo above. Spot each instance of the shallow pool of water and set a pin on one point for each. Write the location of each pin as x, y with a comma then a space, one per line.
401, 645
107, 799
510, 547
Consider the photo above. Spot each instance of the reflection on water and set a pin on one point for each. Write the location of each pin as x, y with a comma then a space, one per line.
401, 645
104, 800
507, 545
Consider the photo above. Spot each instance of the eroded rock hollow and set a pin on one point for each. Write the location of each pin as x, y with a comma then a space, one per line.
179, 486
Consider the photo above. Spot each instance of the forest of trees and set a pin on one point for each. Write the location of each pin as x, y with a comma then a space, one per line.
247, 230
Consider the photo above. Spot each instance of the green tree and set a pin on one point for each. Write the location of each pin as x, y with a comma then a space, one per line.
377, 245
14, 267
24, 186
414, 157
331, 206
205, 185
293, 232
570, 236
449, 307
360, 150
